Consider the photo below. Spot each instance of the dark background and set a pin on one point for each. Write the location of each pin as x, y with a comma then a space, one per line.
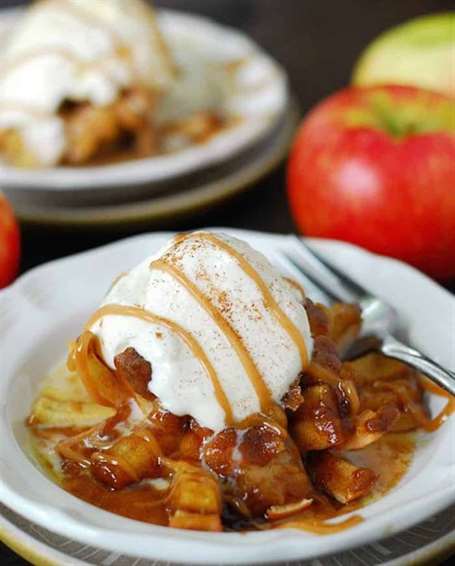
318, 42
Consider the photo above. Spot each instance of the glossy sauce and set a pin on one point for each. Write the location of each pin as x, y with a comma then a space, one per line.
415, 409
390, 458
142, 503
445, 413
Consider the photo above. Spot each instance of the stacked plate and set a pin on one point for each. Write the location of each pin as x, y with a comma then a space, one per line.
256, 104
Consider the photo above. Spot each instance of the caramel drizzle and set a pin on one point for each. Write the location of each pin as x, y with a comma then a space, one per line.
79, 353
416, 409
119, 277
187, 337
445, 413
269, 301
256, 379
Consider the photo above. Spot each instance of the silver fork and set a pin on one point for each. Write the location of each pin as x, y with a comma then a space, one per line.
379, 319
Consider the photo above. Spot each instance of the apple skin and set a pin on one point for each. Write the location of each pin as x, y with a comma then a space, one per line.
393, 196
416, 53
9, 243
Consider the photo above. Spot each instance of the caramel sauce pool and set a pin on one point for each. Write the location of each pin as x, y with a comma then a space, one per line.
141, 502
390, 458
448, 409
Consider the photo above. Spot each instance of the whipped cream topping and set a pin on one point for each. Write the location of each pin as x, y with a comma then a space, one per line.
226, 335
80, 50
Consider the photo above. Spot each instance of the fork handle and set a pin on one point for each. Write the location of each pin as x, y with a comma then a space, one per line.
392, 348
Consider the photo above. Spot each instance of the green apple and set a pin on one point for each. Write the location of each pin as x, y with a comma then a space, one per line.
418, 53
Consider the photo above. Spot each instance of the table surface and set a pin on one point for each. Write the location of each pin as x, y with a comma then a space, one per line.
317, 41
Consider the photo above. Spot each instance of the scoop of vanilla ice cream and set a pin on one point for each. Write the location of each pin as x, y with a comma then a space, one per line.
208, 291
80, 50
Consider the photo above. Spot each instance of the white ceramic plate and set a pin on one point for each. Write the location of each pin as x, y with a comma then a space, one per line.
426, 543
257, 97
47, 307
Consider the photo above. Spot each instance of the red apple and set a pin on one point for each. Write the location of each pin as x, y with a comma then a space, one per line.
9, 243
375, 166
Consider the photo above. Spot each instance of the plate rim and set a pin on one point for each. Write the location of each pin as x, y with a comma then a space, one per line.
38, 513
28, 547
46, 555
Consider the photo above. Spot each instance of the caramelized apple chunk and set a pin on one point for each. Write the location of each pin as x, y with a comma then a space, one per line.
136, 371
294, 397
195, 521
325, 364
195, 500
259, 444
53, 413
263, 468
129, 460
375, 367
383, 382
339, 478
281, 481
370, 426
94, 130
317, 317
192, 441
317, 425
344, 324
339, 322
218, 452
167, 428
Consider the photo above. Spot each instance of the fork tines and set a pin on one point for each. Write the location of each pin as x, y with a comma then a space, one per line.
334, 283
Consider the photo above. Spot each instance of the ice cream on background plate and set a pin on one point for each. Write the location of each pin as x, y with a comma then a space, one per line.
75, 75
84, 82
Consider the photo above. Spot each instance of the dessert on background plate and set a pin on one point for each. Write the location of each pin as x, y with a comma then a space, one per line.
85, 82
207, 392
215, 113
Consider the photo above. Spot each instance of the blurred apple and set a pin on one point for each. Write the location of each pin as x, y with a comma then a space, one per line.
9, 243
375, 166
420, 53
